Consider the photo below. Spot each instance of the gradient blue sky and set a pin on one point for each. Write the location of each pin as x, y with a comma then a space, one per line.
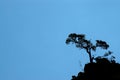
33, 34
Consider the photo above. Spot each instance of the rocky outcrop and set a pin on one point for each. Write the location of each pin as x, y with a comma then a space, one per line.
102, 69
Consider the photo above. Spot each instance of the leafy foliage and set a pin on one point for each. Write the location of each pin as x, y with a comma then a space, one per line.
82, 43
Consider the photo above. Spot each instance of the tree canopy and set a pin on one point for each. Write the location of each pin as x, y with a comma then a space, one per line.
81, 42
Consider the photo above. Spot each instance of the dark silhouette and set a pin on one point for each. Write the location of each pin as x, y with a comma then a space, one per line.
103, 68
81, 42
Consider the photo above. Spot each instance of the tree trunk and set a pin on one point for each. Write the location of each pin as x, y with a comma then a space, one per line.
90, 57
89, 53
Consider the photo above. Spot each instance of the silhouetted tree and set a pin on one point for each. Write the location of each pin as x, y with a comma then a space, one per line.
81, 42
103, 68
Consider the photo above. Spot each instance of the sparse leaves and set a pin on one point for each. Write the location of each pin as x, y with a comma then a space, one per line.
107, 53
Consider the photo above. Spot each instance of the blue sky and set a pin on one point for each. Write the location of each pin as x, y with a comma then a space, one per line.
33, 34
